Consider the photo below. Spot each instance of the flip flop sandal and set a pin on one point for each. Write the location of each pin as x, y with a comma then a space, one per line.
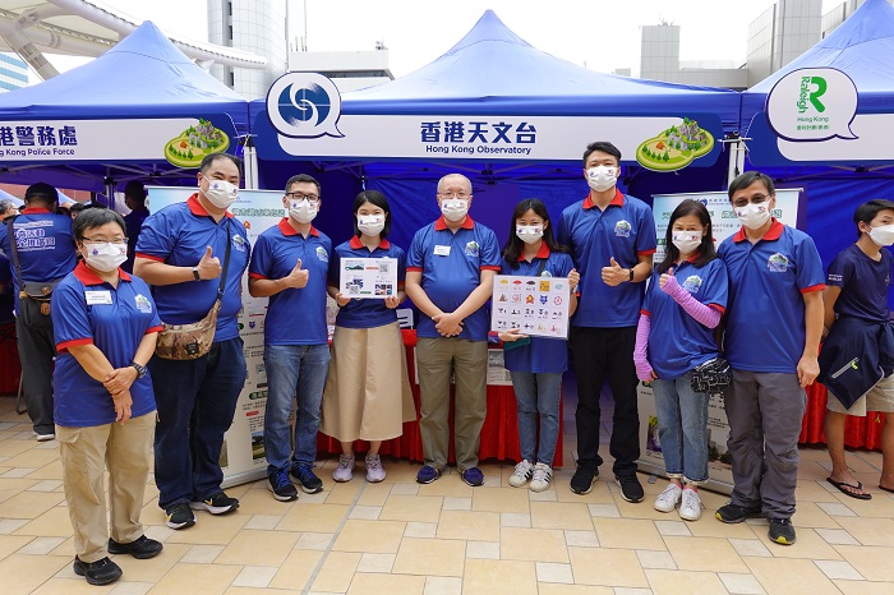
842, 487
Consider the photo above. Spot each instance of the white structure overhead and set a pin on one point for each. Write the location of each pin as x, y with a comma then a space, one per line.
88, 28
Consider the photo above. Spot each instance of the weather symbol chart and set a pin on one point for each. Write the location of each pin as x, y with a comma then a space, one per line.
368, 278
537, 306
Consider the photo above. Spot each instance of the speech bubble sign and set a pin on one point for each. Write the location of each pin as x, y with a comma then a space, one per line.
304, 105
813, 104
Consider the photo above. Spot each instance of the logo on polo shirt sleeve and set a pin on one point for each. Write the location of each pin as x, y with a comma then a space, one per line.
472, 248
692, 283
778, 263
622, 229
143, 304
321, 254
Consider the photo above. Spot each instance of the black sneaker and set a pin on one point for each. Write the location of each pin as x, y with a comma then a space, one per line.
631, 489
733, 513
179, 516
308, 481
281, 486
101, 572
218, 503
582, 481
142, 548
782, 531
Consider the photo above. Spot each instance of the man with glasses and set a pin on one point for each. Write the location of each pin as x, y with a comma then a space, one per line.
46, 253
289, 265
182, 253
773, 327
450, 269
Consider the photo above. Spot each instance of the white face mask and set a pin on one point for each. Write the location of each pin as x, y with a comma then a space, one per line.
221, 193
303, 210
105, 256
687, 241
753, 216
529, 234
882, 235
601, 177
371, 225
454, 209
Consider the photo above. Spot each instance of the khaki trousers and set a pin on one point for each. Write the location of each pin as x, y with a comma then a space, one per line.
436, 358
85, 453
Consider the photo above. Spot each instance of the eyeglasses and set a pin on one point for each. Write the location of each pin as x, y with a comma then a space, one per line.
119, 240
312, 198
755, 199
459, 195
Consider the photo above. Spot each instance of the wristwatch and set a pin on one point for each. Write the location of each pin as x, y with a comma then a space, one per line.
630, 278
141, 370
195, 273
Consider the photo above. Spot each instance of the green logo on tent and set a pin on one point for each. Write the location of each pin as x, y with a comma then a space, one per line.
807, 96
194, 143
676, 147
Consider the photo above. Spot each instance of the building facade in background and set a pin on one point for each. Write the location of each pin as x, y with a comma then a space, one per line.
348, 70
257, 26
13, 72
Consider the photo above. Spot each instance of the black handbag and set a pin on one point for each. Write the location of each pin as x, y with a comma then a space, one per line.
711, 377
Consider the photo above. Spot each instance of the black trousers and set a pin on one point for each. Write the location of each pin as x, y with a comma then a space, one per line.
597, 353
36, 352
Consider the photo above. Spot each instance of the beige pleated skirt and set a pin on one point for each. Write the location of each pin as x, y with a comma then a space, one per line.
367, 394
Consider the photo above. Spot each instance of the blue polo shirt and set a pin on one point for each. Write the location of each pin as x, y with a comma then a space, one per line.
133, 223
178, 235
542, 354
451, 265
765, 329
864, 284
372, 312
45, 244
624, 230
678, 342
294, 316
116, 328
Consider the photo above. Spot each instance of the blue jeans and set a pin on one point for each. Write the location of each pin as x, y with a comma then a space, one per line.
538, 392
196, 402
291, 368
682, 428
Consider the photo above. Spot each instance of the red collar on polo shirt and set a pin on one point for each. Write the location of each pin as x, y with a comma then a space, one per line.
287, 230
34, 210
88, 277
773, 234
197, 209
441, 223
542, 253
618, 200
356, 244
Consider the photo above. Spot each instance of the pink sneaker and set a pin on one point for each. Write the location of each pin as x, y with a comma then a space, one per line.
374, 470
345, 470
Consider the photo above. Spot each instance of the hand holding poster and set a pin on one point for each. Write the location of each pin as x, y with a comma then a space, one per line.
537, 306
368, 278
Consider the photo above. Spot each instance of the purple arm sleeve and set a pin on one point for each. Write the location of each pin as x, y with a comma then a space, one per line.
640, 359
702, 313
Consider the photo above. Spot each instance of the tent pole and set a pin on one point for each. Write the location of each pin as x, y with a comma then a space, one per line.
250, 155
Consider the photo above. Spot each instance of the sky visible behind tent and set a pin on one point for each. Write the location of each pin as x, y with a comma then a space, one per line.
600, 35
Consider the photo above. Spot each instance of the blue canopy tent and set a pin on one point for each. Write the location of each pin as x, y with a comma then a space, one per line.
837, 173
493, 77
111, 119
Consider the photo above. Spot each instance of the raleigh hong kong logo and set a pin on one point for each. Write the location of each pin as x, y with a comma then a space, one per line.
304, 105
813, 104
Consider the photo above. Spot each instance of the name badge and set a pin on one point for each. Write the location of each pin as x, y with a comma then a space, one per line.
95, 298
442, 250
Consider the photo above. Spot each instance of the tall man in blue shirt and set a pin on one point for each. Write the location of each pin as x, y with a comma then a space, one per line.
612, 240
290, 265
46, 252
450, 271
180, 253
773, 326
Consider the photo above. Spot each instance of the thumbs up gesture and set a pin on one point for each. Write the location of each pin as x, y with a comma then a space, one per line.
209, 266
613, 275
668, 284
297, 278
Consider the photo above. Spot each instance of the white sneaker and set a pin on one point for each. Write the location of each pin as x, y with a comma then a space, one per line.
691, 506
522, 474
669, 498
43, 437
374, 470
543, 474
345, 470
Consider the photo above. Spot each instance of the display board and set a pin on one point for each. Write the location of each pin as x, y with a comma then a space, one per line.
724, 224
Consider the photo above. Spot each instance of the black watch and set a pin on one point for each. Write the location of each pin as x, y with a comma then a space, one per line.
630, 278
141, 370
